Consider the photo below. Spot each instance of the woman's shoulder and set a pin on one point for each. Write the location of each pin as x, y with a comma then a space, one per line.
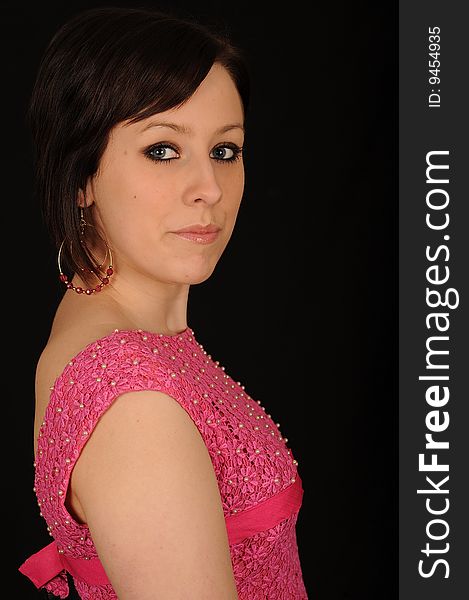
106, 352
73, 330
68, 340
65, 345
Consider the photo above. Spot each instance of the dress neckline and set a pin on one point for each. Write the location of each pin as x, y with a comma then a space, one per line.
187, 333
184, 332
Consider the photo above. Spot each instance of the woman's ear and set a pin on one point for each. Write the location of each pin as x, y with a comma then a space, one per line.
81, 199
85, 200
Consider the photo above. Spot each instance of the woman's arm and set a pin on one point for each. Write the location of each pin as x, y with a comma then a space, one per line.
147, 486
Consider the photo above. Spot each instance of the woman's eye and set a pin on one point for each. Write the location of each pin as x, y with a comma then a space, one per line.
162, 153
226, 153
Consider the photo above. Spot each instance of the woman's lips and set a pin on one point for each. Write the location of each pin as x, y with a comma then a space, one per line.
198, 238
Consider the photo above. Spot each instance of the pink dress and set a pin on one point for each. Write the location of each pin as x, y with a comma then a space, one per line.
257, 476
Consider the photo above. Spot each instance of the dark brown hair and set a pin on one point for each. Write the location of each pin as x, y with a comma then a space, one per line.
104, 66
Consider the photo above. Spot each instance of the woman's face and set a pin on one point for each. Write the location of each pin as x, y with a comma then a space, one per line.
155, 179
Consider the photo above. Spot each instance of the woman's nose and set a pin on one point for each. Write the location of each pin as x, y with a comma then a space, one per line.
202, 183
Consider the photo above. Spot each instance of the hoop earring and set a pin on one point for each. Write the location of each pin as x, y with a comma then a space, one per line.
109, 271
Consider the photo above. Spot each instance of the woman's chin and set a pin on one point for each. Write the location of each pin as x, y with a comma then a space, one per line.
198, 274
194, 279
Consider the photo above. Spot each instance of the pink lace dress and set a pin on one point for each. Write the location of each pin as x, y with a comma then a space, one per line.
257, 474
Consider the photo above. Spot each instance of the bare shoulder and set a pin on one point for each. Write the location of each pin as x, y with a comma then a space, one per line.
76, 325
63, 345
70, 334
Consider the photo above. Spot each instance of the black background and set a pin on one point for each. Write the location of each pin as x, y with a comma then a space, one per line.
302, 307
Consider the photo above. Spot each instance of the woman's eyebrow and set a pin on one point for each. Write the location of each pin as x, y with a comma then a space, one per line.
184, 129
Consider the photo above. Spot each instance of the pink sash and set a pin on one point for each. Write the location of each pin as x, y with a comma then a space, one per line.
46, 564
266, 514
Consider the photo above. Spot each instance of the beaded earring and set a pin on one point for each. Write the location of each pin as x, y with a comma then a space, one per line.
103, 280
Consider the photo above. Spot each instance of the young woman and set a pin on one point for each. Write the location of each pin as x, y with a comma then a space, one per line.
158, 475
